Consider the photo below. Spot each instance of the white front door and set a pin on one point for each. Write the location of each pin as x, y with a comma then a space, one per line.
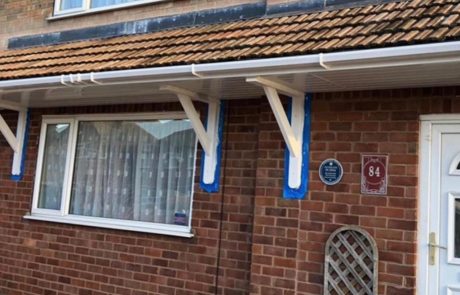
439, 235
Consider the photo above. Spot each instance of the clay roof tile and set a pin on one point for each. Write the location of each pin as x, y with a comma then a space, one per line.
386, 24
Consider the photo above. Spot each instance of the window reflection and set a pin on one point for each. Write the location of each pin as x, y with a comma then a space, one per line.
457, 228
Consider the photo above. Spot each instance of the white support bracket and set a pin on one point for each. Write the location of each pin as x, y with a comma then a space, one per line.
16, 141
292, 131
209, 136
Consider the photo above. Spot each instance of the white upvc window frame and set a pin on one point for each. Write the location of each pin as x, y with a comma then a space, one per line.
58, 11
453, 169
451, 258
86, 8
39, 168
62, 215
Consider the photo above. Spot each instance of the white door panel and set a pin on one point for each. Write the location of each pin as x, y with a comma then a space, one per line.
443, 240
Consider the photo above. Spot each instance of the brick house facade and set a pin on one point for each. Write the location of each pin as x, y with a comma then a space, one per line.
245, 238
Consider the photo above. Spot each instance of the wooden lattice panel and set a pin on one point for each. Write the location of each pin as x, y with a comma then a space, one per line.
351, 261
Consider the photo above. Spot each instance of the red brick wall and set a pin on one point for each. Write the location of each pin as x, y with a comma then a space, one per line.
48, 258
286, 237
289, 236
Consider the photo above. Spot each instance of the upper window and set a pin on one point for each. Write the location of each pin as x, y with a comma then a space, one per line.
78, 6
131, 172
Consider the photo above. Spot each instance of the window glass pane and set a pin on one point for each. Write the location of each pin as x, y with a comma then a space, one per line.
457, 228
102, 3
71, 4
53, 169
134, 170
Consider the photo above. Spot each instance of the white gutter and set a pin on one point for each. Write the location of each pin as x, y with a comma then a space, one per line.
382, 57
395, 56
445, 52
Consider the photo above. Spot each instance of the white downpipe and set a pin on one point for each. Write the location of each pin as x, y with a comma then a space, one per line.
321, 62
194, 73
348, 60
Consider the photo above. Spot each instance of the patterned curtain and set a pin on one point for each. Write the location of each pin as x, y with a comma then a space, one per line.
133, 170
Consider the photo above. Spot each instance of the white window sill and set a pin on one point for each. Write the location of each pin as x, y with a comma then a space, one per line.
82, 12
154, 228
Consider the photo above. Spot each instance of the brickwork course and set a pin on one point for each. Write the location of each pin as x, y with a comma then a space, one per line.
248, 239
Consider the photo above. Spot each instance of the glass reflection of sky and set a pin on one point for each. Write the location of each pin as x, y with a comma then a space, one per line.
164, 128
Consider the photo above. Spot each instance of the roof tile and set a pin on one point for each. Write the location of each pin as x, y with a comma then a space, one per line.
450, 20
407, 25
422, 23
396, 37
406, 13
434, 22
454, 32
356, 41
446, 9
440, 33
381, 39
456, 9
408, 37
387, 24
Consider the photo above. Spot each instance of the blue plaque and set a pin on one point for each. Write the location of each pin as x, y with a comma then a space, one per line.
330, 171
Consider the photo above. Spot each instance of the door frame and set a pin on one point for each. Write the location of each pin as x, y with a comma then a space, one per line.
424, 271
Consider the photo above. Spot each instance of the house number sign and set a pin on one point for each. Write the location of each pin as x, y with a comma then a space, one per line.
374, 178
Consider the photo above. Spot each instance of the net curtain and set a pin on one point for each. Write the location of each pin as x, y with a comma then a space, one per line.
123, 171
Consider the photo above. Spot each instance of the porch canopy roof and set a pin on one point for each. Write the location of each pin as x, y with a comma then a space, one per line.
393, 45
403, 44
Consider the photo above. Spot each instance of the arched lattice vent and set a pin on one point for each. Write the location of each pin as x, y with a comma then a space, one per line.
351, 262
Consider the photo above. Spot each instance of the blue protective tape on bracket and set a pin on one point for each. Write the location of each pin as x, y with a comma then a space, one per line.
18, 177
300, 192
214, 187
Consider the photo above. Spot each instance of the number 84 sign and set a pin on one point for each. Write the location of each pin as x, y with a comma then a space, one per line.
374, 177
